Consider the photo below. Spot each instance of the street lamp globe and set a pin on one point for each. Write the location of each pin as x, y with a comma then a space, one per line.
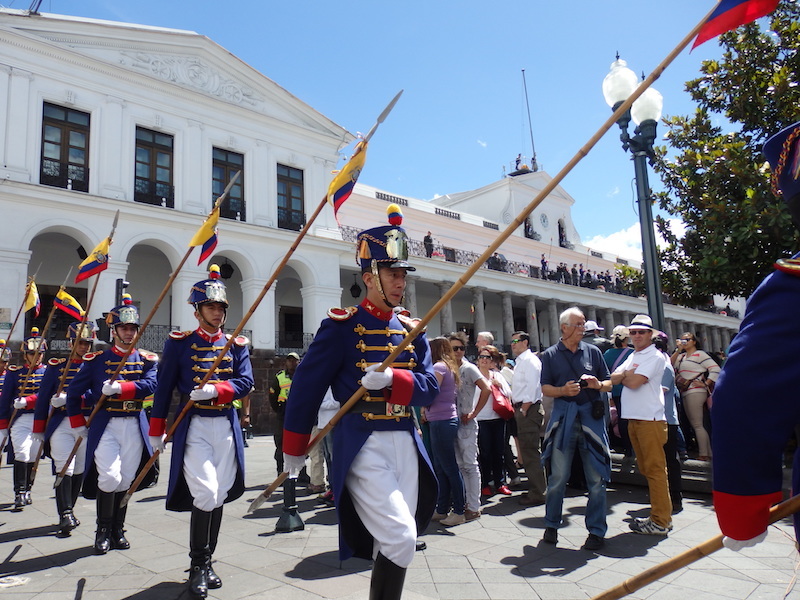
619, 83
647, 107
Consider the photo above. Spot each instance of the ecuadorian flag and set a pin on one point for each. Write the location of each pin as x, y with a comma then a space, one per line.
68, 304
731, 14
95, 263
32, 299
206, 236
342, 185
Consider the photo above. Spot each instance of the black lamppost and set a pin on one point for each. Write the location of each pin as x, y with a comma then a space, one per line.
645, 112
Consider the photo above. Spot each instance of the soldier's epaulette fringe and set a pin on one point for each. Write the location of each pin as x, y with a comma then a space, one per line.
342, 314
789, 265
90, 355
53, 362
179, 335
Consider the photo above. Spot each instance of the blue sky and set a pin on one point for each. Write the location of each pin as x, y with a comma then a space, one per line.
462, 117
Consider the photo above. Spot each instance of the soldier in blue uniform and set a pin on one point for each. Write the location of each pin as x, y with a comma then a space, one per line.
51, 428
117, 445
755, 406
207, 467
17, 401
382, 479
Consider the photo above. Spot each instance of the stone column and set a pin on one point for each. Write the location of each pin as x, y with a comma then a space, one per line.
190, 195
609, 324
262, 323
446, 323
17, 138
591, 313
532, 322
552, 314
507, 316
411, 295
110, 160
716, 340
479, 316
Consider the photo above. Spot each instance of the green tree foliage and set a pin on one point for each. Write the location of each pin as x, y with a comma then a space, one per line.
718, 181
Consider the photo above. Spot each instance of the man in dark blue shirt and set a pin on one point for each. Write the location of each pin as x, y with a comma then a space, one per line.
575, 375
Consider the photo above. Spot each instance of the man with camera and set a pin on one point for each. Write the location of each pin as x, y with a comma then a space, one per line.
574, 374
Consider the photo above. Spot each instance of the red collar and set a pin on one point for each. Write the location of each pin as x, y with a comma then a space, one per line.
117, 350
209, 337
380, 313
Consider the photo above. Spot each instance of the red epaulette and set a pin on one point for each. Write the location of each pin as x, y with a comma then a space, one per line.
239, 340
789, 265
179, 335
53, 362
90, 355
342, 314
147, 355
14, 367
409, 322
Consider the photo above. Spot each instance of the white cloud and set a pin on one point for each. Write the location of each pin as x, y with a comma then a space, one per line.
613, 192
482, 144
627, 243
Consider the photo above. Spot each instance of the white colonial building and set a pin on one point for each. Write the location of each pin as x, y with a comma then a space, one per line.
100, 117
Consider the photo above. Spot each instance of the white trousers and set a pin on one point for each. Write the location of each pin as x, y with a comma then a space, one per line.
25, 448
118, 454
467, 459
383, 482
62, 441
209, 461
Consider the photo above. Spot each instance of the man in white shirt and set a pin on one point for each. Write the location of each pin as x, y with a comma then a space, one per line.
528, 412
643, 406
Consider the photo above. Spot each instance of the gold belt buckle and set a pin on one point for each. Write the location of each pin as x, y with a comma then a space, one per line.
129, 405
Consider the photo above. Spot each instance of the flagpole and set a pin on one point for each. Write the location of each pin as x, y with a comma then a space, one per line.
21, 306
502, 237
137, 337
211, 371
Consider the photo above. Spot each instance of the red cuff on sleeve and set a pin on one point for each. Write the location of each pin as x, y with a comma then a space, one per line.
31, 400
3, 424
157, 426
402, 387
744, 517
38, 426
77, 421
128, 390
225, 393
295, 444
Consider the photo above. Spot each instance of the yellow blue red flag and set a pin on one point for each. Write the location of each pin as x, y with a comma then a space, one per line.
206, 236
68, 304
95, 263
731, 14
32, 299
342, 185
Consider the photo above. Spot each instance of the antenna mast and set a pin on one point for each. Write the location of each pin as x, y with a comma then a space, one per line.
534, 164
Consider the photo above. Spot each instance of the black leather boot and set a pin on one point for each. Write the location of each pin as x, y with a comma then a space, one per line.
20, 484
28, 482
199, 552
387, 580
214, 582
118, 539
105, 518
63, 499
77, 482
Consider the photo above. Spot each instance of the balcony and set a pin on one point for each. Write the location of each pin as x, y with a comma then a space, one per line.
64, 175
154, 192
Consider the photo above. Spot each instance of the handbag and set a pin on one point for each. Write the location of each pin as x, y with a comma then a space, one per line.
681, 382
501, 404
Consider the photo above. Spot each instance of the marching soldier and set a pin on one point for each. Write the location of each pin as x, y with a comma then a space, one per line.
382, 480
117, 445
55, 431
207, 468
19, 398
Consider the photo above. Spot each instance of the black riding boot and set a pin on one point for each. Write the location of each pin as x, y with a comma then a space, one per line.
214, 582
63, 499
20, 485
28, 482
105, 518
118, 540
77, 482
387, 580
199, 552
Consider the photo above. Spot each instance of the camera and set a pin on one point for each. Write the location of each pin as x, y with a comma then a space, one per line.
583, 383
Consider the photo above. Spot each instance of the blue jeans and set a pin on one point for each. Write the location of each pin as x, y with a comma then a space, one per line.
451, 485
560, 467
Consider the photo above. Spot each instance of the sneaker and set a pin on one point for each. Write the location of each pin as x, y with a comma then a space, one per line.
593, 542
550, 535
437, 516
471, 515
486, 491
648, 527
503, 489
453, 519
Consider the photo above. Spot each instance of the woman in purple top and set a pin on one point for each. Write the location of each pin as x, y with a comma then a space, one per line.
442, 418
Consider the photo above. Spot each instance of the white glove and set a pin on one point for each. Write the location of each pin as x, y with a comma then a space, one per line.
20, 403
157, 442
737, 545
372, 380
80, 432
58, 401
37, 437
111, 388
207, 392
293, 464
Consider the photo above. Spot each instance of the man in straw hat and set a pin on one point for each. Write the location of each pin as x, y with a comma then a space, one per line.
382, 479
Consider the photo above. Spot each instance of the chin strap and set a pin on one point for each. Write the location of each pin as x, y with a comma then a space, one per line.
200, 316
377, 278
